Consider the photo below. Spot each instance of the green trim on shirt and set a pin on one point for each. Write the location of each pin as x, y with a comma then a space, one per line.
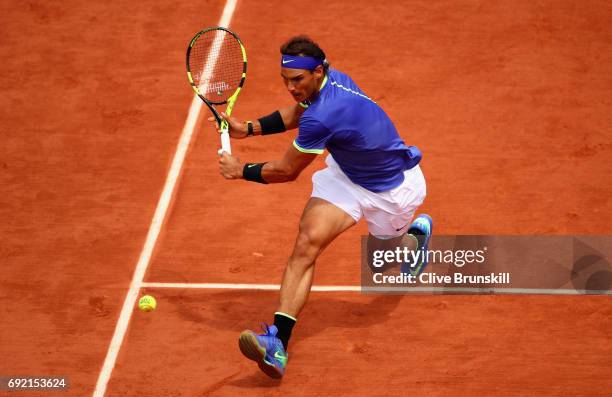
311, 151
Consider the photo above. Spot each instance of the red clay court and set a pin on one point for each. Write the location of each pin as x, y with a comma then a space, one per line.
510, 102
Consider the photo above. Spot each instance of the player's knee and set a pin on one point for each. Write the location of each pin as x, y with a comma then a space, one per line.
307, 246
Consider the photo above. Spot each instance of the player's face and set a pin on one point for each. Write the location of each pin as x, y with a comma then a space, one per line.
302, 84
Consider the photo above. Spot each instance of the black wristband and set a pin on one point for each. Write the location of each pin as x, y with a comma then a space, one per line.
250, 131
252, 172
272, 124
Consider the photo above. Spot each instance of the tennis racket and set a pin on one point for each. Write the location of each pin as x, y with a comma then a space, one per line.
216, 69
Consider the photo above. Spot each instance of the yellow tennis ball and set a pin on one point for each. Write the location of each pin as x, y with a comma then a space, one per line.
147, 303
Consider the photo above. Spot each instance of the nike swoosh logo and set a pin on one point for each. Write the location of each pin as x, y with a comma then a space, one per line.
415, 272
251, 165
291, 60
280, 357
403, 227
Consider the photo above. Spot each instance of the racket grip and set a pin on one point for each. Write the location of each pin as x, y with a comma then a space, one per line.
225, 143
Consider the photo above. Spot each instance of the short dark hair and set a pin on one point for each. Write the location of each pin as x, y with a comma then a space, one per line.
304, 46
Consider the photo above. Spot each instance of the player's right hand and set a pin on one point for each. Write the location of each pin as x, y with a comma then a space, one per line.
237, 129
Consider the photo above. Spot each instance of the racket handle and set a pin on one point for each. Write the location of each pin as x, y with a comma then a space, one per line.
225, 139
225, 143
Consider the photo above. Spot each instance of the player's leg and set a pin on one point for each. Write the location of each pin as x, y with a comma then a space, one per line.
320, 224
379, 243
413, 245
389, 216
330, 211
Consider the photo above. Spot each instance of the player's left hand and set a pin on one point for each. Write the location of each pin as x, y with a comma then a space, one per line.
237, 129
230, 166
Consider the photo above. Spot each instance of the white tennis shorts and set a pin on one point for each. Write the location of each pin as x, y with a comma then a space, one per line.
388, 214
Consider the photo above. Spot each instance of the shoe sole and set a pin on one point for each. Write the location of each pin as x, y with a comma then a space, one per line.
251, 349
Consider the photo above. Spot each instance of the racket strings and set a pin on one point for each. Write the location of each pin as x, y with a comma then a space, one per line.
216, 65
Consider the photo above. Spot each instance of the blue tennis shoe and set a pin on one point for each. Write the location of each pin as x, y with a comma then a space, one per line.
265, 349
421, 228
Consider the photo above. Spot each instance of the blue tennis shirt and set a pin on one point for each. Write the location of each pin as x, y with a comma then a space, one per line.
357, 133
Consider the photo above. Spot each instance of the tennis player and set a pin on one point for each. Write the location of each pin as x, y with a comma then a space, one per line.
371, 173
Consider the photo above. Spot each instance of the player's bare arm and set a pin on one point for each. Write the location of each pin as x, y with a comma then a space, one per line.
239, 129
284, 170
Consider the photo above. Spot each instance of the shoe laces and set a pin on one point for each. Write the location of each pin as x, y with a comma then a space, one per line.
270, 330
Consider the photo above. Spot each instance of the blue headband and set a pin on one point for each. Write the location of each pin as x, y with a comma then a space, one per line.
299, 62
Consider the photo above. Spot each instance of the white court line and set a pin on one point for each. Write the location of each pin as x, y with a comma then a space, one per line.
266, 287
154, 229
357, 288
